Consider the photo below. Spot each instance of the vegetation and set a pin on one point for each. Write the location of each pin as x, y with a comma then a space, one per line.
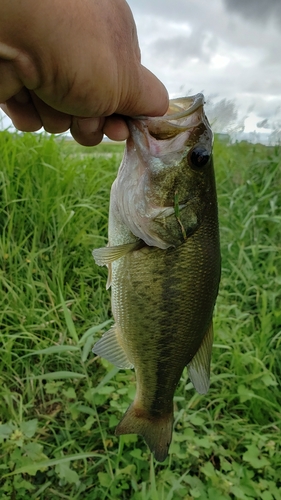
59, 404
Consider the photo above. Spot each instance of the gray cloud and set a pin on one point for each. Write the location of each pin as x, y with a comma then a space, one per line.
218, 47
182, 48
255, 10
263, 123
229, 49
269, 108
179, 10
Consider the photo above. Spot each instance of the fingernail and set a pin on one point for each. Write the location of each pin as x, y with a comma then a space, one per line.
89, 126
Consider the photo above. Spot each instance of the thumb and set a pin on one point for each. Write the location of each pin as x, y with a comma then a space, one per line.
147, 96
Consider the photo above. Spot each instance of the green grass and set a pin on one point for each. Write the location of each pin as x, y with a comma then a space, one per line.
59, 404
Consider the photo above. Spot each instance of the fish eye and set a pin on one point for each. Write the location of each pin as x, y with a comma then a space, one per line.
199, 157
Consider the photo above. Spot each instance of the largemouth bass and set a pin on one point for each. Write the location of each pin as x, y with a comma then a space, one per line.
163, 259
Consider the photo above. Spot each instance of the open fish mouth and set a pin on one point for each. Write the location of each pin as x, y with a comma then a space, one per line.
185, 121
183, 114
178, 108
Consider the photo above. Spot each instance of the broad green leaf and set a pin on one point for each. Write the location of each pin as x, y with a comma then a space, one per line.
34, 451
66, 473
266, 495
254, 457
208, 470
6, 430
196, 492
107, 389
129, 469
69, 393
244, 393
23, 484
238, 493
196, 420
138, 454
104, 479
89, 423
53, 387
269, 380
29, 427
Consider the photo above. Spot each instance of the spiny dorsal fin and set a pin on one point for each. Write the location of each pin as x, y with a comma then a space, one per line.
109, 347
199, 367
106, 255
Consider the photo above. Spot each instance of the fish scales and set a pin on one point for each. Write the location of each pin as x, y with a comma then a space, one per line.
163, 294
157, 321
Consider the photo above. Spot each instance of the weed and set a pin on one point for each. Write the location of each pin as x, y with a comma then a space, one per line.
59, 404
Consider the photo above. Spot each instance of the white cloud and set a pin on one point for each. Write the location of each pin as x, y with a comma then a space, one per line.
229, 49
225, 48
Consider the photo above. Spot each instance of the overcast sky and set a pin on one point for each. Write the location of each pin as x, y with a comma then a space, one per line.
227, 49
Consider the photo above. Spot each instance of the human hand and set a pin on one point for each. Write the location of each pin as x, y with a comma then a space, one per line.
74, 64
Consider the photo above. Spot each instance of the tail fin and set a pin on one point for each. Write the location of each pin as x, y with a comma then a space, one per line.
157, 431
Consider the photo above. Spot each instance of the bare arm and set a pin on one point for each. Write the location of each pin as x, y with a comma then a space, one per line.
74, 64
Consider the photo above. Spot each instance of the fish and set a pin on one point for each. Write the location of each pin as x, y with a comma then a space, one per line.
163, 259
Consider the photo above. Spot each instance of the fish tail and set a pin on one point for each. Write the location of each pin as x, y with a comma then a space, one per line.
156, 430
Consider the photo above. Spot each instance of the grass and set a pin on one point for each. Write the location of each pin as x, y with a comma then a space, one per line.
59, 404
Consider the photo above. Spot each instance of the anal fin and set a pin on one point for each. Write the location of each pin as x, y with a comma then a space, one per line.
199, 367
109, 347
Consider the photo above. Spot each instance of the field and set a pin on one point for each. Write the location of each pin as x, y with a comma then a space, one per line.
59, 403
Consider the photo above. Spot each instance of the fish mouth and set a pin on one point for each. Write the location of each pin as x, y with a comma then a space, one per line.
178, 108
182, 107
184, 114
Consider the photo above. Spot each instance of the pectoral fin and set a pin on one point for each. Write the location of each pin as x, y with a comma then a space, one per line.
199, 367
106, 255
109, 347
